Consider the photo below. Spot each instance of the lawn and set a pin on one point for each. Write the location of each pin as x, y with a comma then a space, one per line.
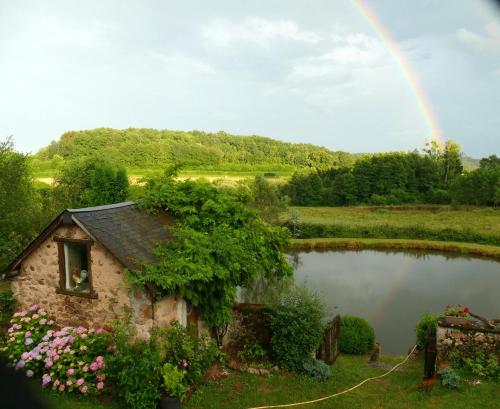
397, 390
55, 401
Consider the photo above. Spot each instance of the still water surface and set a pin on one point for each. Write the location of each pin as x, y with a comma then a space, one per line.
392, 289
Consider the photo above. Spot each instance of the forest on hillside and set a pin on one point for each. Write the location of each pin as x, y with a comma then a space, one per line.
147, 148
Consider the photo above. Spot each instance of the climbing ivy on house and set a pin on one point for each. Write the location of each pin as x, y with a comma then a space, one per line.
218, 244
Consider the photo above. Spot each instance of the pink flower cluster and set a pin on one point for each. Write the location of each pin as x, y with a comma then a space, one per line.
65, 357
27, 329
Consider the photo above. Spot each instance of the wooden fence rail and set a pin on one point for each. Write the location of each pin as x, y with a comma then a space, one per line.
329, 349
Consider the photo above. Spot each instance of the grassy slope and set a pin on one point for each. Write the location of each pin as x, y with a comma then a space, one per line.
483, 220
398, 390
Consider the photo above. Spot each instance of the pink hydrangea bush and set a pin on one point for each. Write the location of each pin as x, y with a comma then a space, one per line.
27, 329
69, 359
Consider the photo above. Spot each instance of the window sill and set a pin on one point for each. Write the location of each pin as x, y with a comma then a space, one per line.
77, 294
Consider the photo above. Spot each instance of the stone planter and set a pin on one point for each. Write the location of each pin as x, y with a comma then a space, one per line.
168, 402
456, 321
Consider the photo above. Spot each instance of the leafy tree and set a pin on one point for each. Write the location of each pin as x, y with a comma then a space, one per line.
452, 163
492, 161
90, 182
22, 215
218, 245
266, 199
304, 188
479, 187
108, 185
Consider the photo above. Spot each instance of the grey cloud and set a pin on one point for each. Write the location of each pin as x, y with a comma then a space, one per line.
304, 72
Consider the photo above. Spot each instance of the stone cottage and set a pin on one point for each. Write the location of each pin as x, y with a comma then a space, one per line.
75, 269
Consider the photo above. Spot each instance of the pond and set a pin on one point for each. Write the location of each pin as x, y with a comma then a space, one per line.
392, 289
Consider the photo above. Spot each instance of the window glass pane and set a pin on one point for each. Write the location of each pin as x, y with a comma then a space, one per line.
75, 260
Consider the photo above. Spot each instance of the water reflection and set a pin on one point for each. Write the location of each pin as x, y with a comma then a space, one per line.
392, 289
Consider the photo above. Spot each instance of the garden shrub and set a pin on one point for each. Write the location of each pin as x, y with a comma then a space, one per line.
428, 322
68, 360
135, 369
356, 335
449, 378
296, 328
317, 369
172, 381
253, 352
192, 354
480, 364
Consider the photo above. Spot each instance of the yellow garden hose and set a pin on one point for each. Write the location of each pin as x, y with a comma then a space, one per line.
289, 405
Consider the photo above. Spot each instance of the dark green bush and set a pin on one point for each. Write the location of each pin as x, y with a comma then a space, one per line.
427, 321
317, 369
296, 328
7, 306
356, 335
135, 370
253, 352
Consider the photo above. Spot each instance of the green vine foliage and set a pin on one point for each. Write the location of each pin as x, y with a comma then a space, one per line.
218, 244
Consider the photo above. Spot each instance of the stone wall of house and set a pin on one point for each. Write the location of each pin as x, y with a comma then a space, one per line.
466, 336
168, 309
39, 278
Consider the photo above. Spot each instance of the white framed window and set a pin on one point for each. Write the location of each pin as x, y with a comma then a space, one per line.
75, 267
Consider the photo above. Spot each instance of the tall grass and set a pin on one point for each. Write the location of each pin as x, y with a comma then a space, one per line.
440, 223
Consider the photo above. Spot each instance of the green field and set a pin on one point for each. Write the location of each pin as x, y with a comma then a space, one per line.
44, 178
483, 220
441, 223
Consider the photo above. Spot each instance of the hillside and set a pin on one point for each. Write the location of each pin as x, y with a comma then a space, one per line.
147, 148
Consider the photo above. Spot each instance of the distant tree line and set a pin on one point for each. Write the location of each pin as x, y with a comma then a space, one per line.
388, 178
434, 175
158, 148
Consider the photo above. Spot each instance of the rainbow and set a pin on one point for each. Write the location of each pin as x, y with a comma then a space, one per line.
423, 103
399, 279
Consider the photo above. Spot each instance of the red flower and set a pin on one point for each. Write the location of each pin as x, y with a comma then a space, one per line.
466, 310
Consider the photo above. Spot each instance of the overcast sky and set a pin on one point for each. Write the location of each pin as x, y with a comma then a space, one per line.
301, 71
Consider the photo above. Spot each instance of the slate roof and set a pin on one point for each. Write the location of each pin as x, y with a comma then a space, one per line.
129, 233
